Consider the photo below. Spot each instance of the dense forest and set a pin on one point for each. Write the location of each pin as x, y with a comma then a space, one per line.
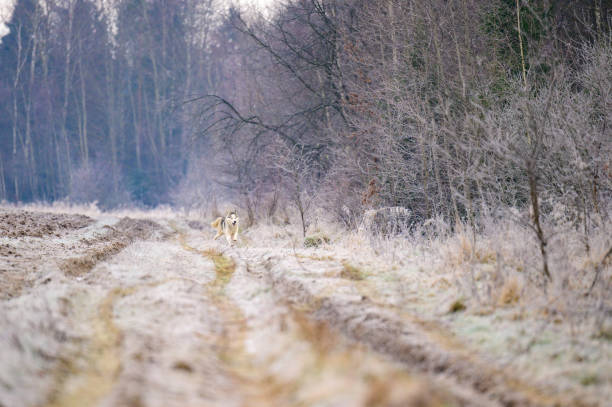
92, 98
455, 108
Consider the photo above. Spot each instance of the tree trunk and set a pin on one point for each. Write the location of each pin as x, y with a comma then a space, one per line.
535, 206
67, 80
83, 127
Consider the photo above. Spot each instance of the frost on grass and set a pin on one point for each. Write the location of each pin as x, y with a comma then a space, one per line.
487, 289
38, 336
482, 291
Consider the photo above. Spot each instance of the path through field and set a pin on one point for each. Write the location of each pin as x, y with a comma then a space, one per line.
136, 312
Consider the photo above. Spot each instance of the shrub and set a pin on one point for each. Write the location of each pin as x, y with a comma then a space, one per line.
315, 240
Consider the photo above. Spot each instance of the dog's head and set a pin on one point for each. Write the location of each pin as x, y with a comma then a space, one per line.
231, 218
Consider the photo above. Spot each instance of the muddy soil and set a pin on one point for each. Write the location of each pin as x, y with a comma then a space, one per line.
16, 223
23, 247
131, 312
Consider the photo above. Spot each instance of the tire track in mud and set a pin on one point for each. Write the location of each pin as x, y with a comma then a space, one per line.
101, 358
329, 356
257, 387
420, 345
84, 386
86, 377
89, 376
102, 247
308, 327
78, 386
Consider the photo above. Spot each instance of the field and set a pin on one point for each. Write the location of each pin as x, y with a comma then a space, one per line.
144, 309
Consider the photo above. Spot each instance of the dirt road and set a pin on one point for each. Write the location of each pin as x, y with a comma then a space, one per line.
134, 312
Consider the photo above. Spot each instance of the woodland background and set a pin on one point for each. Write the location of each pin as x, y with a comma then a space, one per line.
457, 109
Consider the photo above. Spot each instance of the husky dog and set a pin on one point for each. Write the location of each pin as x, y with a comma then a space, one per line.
228, 226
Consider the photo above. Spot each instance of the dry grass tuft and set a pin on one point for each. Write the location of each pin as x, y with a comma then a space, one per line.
184, 366
457, 306
510, 292
315, 240
351, 272
461, 249
590, 379
605, 333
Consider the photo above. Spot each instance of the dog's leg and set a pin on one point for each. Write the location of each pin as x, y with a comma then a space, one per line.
218, 235
228, 238
235, 237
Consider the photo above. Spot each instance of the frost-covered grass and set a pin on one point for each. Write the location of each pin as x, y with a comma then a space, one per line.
484, 288
487, 288
498, 266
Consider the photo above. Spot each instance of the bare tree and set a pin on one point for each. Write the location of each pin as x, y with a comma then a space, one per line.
299, 169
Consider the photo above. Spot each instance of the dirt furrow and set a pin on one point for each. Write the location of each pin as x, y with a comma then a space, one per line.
279, 355
182, 321
420, 345
85, 386
259, 388
86, 377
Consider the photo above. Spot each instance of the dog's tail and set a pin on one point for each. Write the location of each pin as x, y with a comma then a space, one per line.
216, 223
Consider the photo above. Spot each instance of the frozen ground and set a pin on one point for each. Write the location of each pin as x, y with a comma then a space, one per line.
106, 310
